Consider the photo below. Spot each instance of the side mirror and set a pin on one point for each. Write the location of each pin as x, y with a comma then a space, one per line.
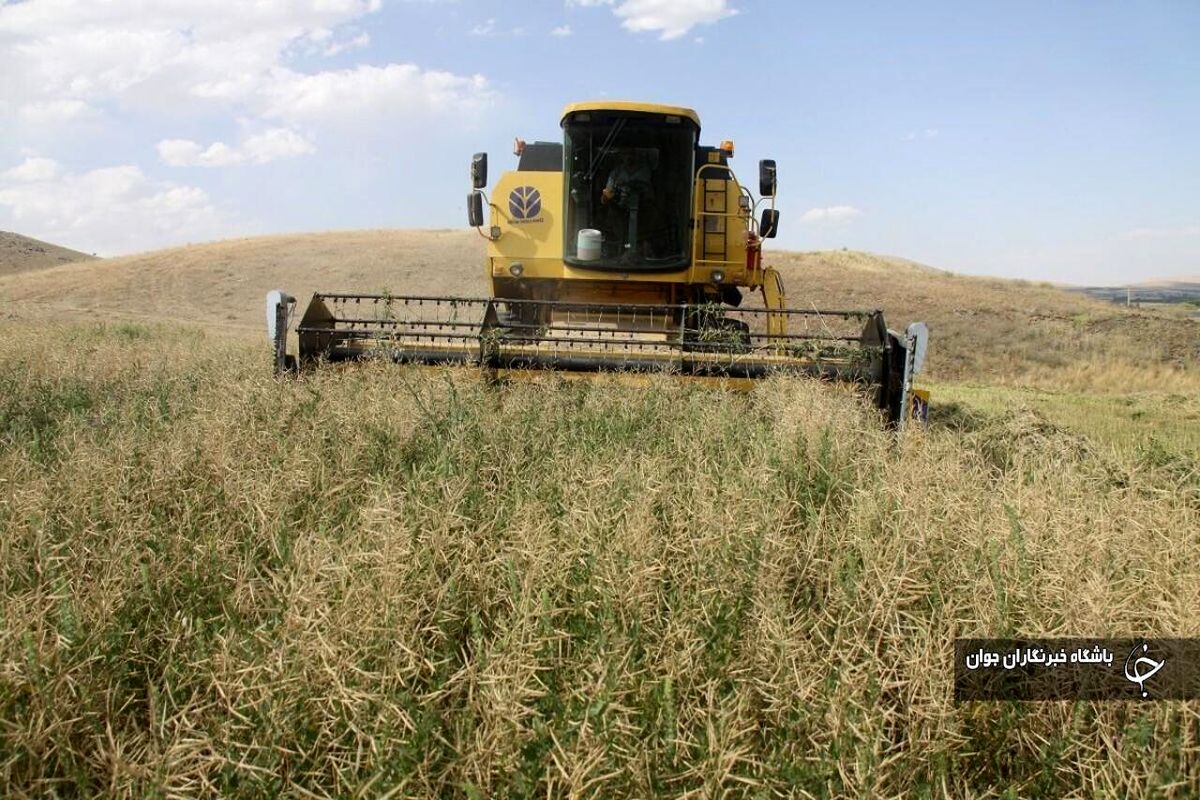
475, 210
770, 223
766, 177
479, 170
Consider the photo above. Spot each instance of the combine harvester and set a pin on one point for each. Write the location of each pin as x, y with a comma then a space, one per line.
626, 247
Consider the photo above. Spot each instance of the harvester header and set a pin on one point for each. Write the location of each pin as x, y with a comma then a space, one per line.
625, 245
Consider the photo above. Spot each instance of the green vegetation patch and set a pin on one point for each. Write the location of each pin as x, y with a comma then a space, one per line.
1127, 422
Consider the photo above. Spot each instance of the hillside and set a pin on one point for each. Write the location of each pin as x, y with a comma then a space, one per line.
990, 329
1192, 280
222, 284
19, 254
983, 329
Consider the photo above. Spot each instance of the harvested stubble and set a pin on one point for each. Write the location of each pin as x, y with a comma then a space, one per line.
381, 580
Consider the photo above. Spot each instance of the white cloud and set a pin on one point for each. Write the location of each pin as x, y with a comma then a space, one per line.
484, 29
830, 215
1163, 233
928, 133
397, 91
107, 210
671, 19
64, 58
93, 52
133, 68
54, 112
261, 148
489, 28
322, 42
31, 169
561, 30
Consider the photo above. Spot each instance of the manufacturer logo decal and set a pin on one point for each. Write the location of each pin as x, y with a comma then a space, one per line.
525, 204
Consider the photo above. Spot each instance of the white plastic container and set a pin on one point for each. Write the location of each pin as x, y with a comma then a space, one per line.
587, 244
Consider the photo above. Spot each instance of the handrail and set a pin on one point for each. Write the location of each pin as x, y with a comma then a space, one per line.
702, 213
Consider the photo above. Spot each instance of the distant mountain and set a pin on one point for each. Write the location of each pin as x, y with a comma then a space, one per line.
22, 254
1169, 282
1177, 290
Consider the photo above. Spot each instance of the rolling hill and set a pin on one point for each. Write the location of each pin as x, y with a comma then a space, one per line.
983, 329
222, 285
19, 254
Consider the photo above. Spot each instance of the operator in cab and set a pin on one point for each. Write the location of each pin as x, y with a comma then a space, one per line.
629, 175
628, 196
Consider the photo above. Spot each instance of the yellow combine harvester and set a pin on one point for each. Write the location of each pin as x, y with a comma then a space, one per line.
627, 246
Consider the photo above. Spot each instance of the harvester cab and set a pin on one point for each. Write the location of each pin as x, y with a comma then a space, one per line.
626, 245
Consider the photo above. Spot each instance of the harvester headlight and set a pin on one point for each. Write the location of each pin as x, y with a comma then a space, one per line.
516, 268
718, 275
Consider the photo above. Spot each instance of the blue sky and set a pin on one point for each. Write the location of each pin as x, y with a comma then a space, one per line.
1046, 140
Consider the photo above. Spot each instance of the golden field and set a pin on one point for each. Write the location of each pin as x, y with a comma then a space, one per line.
385, 581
